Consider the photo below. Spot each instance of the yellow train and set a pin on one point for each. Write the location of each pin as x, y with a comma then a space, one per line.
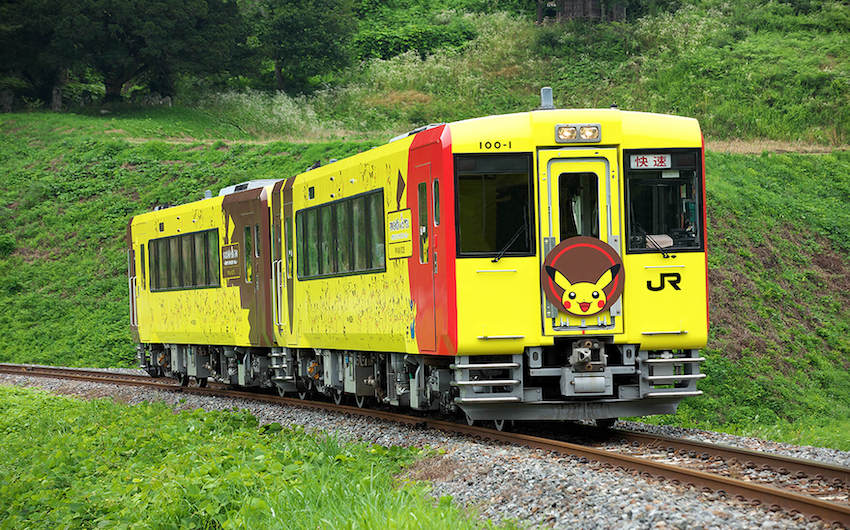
545, 265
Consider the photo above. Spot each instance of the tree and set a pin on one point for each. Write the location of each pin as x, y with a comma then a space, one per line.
34, 59
155, 40
303, 38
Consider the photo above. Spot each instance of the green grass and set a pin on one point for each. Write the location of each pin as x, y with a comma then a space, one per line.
779, 345
71, 463
65, 203
779, 234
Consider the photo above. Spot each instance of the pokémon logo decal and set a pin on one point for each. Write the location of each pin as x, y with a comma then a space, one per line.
583, 276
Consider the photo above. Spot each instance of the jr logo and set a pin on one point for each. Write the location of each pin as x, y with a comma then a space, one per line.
673, 278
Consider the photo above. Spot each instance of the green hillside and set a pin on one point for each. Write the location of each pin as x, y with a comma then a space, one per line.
778, 240
772, 73
745, 69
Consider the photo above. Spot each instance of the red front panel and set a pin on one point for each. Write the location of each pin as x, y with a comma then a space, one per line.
430, 197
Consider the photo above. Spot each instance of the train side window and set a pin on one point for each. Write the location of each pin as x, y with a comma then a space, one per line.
152, 248
494, 205
162, 264
187, 249
358, 225
346, 236
213, 273
142, 265
376, 230
579, 204
249, 260
423, 222
185, 261
343, 234
311, 268
299, 239
200, 259
174, 262
326, 240
436, 200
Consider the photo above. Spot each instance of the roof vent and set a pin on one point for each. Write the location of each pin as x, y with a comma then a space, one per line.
546, 100
251, 184
414, 131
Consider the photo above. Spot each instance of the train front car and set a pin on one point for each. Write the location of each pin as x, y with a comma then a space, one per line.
581, 267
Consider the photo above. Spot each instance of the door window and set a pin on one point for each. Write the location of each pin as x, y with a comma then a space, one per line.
423, 222
249, 261
579, 203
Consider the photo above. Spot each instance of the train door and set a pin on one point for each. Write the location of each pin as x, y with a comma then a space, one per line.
133, 290
579, 197
279, 280
424, 260
248, 212
289, 258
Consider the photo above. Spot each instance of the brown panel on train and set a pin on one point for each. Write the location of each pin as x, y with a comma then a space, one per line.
249, 212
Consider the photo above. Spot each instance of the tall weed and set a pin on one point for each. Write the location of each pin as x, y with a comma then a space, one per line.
264, 115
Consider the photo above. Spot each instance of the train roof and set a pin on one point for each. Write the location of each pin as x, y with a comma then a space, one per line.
527, 131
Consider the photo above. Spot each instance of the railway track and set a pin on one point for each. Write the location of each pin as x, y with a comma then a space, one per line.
680, 461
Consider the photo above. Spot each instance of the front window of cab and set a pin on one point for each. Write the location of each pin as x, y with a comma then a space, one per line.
494, 205
663, 200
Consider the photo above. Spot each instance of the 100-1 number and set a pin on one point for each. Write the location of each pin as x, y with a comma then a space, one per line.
494, 145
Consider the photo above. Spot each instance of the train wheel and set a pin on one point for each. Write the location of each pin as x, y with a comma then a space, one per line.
338, 396
361, 401
202, 382
469, 420
304, 395
499, 424
184, 379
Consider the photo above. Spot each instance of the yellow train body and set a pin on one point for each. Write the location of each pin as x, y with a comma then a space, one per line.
556, 257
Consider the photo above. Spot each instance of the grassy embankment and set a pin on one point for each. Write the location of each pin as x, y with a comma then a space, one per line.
66, 463
745, 69
777, 236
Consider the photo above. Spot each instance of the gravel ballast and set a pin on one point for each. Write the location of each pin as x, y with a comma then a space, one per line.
505, 482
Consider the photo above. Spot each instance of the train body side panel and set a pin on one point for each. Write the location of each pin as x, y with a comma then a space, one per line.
211, 315
371, 311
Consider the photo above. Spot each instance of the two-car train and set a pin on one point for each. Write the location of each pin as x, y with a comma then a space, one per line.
545, 265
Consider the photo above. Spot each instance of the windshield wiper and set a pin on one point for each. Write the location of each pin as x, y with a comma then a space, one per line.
513, 238
653, 242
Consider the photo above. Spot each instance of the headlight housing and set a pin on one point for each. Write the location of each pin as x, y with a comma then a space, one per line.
578, 133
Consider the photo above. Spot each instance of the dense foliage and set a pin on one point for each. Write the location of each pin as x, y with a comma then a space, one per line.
66, 463
751, 69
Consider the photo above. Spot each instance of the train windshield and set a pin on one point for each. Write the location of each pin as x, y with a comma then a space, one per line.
664, 200
494, 205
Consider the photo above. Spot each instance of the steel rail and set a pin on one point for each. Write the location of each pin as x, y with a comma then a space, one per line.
750, 458
756, 493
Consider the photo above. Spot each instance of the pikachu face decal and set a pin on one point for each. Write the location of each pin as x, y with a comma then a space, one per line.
582, 276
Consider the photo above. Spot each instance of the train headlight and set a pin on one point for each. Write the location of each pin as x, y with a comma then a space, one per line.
566, 133
577, 133
589, 132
